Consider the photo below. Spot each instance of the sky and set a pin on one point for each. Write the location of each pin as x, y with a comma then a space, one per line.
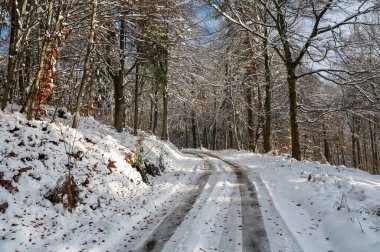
204, 13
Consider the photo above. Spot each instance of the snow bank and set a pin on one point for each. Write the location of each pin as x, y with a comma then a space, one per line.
114, 199
327, 208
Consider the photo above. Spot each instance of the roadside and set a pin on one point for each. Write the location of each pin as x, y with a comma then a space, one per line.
325, 208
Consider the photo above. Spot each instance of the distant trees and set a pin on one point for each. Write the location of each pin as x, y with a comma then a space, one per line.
301, 32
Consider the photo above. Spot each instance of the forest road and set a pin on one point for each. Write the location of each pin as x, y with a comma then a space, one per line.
254, 235
221, 212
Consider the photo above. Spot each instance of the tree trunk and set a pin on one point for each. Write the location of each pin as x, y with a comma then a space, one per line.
252, 73
205, 137
249, 101
214, 136
12, 56
236, 133
136, 100
376, 146
165, 94
17, 15
194, 128
46, 44
337, 155
353, 140
365, 156
186, 137
267, 137
230, 137
153, 108
292, 82
214, 129
261, 117
326, 145
373, 148
226, 140
86, 67
162, 74
165, 101
155, 114
119, 82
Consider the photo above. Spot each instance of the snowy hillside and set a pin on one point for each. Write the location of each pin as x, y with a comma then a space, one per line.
114, 200
305, 206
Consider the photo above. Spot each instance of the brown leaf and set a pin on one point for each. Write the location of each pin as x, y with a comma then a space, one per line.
20, 171
3, 207
111, 164
77, 155
7, 184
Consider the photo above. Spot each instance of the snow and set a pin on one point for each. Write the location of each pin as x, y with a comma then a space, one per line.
215, 218
325, 208
115, 202
306, 206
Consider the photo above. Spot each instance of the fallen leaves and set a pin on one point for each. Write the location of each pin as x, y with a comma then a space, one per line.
16, 177
3, 207
76, 155
111, 164
7, 184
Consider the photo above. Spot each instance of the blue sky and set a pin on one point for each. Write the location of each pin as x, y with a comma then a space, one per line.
204, 13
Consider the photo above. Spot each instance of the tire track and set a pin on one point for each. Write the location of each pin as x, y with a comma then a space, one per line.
254, 235
167, 227
274, 221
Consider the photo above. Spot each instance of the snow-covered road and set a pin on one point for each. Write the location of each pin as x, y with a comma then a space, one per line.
221, 212
257, 205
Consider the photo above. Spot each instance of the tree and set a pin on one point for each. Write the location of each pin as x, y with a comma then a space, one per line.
86, 67
17, 21
291, 42
47, 58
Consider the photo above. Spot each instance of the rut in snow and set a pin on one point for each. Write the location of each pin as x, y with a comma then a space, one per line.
254, 234
162, 233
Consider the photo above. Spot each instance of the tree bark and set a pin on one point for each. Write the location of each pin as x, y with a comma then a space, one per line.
373, 148
194, 128
136, 100
17, 15
353, 140
46, 44
214, 129
154, 108
292, 82
230, 137
267, 137
119, 82
86, 67
205, 137
186, 137
165, 94
252, 72
291, 66
326, 145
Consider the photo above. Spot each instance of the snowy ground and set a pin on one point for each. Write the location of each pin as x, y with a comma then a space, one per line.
197, 204
116, 208
325, 208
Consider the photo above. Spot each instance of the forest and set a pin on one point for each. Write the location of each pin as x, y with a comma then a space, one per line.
268, 76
